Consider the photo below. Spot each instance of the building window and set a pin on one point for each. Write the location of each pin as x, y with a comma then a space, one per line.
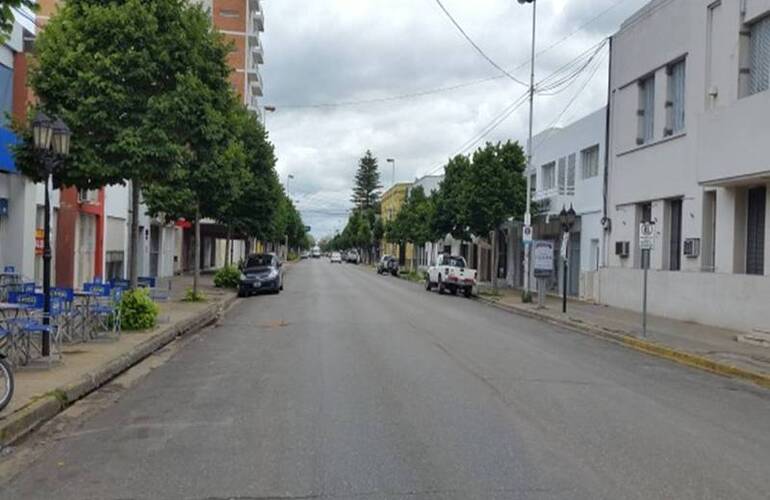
562, 175
675, 101
234, 14
759, 80
533, 183
755, 230
549, 175
646, 111
571, 165
6, 92
114, 264
589, 162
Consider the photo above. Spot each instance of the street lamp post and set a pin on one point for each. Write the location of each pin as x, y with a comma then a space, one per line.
567, 220
528, 213
289, 177
52, 143
392, 162
267, 109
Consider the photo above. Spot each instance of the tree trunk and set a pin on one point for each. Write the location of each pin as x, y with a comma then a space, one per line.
197, 266
228, 244
133, 251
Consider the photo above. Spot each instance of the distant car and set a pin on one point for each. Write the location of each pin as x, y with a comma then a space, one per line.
261, 272
393, 266
304, 255
336, 257
316, 252
352, 257
383, 266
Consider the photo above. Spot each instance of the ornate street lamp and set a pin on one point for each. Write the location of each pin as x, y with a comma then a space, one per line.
52, 143
567, 219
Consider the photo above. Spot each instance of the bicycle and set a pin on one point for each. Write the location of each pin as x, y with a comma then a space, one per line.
6, 382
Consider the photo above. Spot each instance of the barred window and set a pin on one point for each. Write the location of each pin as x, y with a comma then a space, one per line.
760, 56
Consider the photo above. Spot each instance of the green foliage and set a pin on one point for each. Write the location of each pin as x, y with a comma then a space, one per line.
366, 190
227, 277
526, 296
6, 14
413, 221
480, 193
137, 53
137, 310
192, 295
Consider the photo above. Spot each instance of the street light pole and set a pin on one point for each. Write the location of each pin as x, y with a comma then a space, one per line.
267, 109
567, 219
52, 144
528, 214
392, 161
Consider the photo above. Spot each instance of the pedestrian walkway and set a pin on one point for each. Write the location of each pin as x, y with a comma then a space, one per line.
94, 358
715, 344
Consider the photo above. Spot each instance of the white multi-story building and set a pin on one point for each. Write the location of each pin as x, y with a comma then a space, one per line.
568, 171
689, 151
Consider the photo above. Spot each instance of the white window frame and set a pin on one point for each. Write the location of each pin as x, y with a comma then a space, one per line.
589, 169
675, 103
549, 175
759, 56
646, 110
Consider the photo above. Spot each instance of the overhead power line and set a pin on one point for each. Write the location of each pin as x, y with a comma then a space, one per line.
422, 93
478, 49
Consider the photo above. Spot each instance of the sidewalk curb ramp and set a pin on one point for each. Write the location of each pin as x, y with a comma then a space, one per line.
25, 420
641, 345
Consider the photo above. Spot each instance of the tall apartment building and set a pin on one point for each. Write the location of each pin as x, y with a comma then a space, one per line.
689, 151
241, 21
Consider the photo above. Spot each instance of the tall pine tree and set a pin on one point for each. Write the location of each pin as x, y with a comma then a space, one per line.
366, 192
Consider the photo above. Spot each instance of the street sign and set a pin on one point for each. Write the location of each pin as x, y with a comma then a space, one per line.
542, 256
646, 236
526, 234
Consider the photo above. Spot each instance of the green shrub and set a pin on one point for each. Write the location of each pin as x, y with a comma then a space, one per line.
137, 310
227, 277
526, 296
193, 296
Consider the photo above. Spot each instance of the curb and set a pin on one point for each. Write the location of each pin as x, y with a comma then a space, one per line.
645, 346
27, 419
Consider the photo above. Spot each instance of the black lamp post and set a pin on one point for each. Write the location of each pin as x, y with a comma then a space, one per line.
567, 219
52, 144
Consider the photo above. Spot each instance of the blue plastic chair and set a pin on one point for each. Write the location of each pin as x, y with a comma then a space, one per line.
9, 269
107, 312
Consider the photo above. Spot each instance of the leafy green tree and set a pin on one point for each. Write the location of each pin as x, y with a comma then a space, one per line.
7, 15
451, 201
107, 68
211, 169
366, 190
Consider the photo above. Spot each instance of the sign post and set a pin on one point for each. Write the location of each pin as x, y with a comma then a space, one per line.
646, 244
542, 255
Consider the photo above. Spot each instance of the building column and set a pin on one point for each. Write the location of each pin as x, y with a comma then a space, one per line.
724, 244
20, 225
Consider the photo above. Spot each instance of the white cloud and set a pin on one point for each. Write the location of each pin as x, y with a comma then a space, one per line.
347, 50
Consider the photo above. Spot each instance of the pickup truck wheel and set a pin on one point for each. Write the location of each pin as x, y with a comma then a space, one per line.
453, 290
468, 292
440, 286
427, 283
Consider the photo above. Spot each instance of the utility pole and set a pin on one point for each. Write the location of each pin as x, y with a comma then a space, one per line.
392, 161
528, 214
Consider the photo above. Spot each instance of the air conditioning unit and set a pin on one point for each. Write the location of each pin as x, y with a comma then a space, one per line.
692, 247
622, 249
88, 196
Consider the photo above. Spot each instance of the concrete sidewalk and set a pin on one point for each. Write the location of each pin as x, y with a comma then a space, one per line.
710, 348
42, 391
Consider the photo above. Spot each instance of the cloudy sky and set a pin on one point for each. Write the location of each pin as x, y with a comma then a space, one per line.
321, 53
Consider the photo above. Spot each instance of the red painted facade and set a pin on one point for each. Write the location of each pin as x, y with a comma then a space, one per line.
66, 244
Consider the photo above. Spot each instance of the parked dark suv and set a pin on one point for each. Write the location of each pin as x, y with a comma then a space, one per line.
261, 273
388, 264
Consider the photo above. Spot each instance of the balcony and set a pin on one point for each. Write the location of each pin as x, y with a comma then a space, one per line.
258, 21
732, 146
257, 53
255, 83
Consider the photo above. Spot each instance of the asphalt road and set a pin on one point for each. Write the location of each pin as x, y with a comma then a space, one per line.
353, 386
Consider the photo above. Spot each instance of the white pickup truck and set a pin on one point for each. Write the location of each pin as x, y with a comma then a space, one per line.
451, 273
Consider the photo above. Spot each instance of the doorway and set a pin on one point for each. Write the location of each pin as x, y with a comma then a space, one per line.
755, 231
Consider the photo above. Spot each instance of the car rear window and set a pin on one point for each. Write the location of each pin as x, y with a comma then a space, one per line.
259, 261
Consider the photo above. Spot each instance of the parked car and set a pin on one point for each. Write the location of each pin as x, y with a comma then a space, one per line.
304, 255
382, 265
261, 273
336, 257
451, 273
352, 257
